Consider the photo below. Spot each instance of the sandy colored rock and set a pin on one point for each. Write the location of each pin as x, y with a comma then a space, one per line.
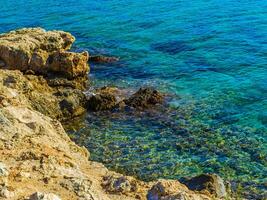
42, 51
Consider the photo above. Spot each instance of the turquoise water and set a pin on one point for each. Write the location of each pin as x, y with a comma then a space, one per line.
209, 56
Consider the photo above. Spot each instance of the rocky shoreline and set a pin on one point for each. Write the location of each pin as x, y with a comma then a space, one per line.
42, 84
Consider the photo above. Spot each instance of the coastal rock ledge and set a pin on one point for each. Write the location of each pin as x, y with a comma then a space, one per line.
38, 159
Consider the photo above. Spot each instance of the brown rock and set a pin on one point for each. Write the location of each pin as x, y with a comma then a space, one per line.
101, 101
144, 98
41, 51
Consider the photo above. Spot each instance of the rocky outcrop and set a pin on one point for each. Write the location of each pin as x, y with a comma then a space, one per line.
42, 52
38, 159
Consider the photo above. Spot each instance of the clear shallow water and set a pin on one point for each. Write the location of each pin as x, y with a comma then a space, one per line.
211, 56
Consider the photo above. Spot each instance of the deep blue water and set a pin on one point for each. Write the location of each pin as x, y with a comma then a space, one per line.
209, 55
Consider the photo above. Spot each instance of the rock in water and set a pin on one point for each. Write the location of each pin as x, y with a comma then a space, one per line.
210, 182
103, 59
42, 51
144, 98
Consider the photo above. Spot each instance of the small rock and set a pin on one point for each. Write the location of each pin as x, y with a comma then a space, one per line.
44, 196
144, 98
5, 193
104, 99
118, 184
3, 170
210, 182
103, 59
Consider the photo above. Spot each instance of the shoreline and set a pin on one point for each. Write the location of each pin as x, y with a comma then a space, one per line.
38, 155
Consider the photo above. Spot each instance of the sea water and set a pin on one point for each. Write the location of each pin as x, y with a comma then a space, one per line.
209, 56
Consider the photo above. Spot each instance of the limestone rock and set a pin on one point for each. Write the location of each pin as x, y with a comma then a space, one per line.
210, 182
41, 51
144, 98
44, 196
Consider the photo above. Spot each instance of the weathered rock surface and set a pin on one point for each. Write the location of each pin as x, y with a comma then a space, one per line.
34, 92
42, 51
208, 182
44, 196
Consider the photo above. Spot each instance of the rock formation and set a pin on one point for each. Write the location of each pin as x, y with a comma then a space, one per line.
42, 51
38, 159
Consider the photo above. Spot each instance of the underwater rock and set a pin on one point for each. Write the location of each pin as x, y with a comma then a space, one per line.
209, 182
144, 98
103, 59
42, 51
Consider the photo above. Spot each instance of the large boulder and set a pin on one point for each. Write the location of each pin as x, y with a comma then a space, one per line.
41, 51
208, 182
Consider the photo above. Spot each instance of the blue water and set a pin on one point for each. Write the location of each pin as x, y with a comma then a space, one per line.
210, 56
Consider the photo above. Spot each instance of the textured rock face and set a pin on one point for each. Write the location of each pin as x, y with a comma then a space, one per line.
41, 51
34, 92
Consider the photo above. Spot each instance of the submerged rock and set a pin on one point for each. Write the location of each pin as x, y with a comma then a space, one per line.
103, 59
144, 98
209, 182
41, 51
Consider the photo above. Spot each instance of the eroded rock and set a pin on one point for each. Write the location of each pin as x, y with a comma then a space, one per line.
42, 51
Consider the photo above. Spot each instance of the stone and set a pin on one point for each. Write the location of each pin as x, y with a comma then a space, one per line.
118, 184
103, 59
144, 98
209, 182
44, 196
103, 99
3, 170
42, 52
